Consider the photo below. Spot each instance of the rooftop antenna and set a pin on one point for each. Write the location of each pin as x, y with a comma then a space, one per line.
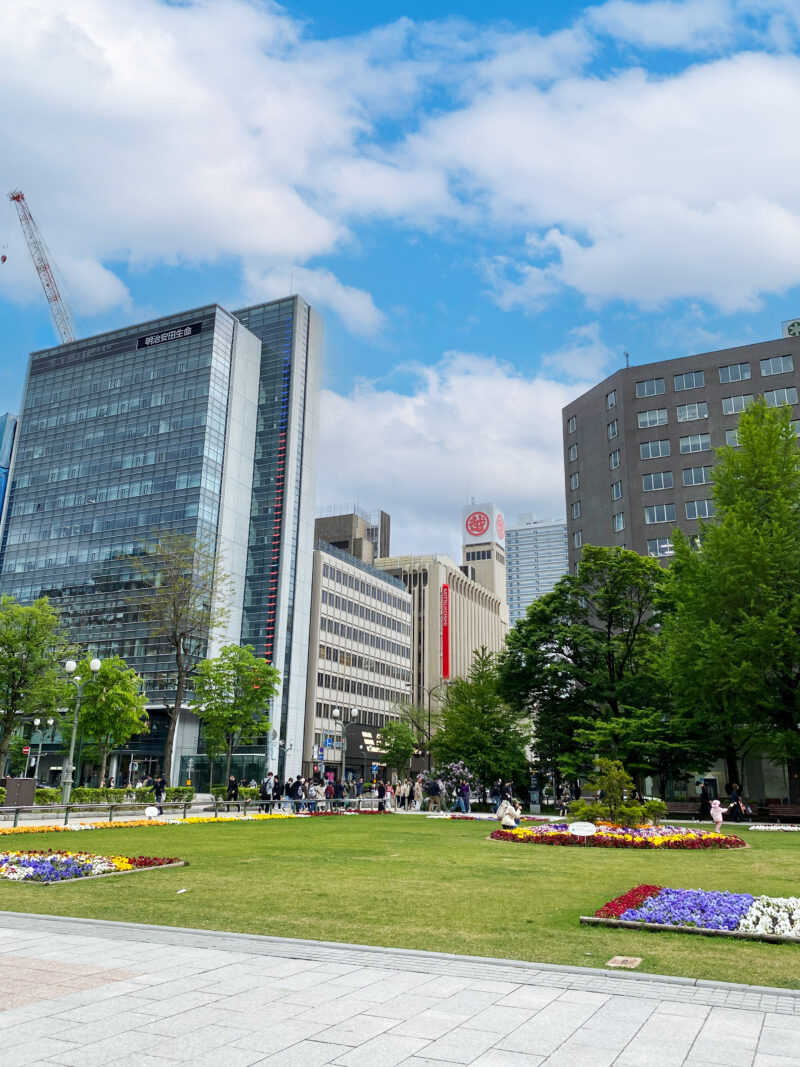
627, 359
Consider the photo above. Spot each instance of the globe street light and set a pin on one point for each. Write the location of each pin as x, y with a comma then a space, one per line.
417, 685
36, 723
67, 771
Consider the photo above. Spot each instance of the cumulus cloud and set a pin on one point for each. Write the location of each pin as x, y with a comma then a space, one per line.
684, 24
472, 426
355, 307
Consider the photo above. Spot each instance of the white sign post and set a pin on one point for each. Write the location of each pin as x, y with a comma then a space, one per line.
582, 829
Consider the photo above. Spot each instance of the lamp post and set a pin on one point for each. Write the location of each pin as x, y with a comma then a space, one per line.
338, 718
68, 771
430, 692
37, 723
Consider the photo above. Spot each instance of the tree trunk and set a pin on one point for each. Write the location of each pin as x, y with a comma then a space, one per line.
732, 767
166, 770
5, 740
229, 754
103, 761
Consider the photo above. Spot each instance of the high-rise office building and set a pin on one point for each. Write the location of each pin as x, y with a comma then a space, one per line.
364, 534
639, 447
536, 557
8, 426
203, 423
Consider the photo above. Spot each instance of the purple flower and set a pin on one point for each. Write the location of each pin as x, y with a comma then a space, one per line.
707, 909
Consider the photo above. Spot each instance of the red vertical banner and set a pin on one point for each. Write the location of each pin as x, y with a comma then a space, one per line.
445, 631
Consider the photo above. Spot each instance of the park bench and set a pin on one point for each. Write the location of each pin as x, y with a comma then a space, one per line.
784, 812
684, 808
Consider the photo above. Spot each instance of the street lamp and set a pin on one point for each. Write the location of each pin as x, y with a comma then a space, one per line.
67, 771
37, 723
338, 718
430, 692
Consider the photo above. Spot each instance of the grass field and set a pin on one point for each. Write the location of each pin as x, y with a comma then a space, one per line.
415, 883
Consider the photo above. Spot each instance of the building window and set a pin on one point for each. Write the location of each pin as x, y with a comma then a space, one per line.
574, 480
651, 387
777, 365
696, 442
690, 412
659, 513
613, 460
732, 438
734, 372
612, 429
699, 509
619, 521
659, 546
693, 379
653, 449
573, 453
576, 509
572, 424
577, 539
697, 475
616, 490
611, 400
657, 480
656, 417
732, 405
776, 397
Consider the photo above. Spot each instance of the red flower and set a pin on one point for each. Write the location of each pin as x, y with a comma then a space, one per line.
634, 898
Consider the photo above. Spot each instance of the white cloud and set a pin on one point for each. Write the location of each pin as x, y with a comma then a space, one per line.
355, 307
693, 25
471, 426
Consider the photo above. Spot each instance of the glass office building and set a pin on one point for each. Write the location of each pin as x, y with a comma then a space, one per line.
158, 427
536, 557
8, 426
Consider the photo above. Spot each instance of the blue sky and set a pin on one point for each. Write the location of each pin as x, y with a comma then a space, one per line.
487, 213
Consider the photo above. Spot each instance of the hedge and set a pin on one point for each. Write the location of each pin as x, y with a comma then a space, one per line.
246, 792
47, 796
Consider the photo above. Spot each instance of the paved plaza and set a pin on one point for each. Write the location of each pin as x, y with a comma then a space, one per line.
82, 993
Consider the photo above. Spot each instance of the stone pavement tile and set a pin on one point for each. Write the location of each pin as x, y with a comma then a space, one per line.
387, 1050
163, 1007
582, 996
419, 984
548, 1029
782, 1022
197, 1043
108, 1050
459, 1046
442, 986
157, 990
335, 1011
355, 1031
469, 1001
738, 1050
430, 1024
403, 1007
303, 1054
729, 1021
497, 1020
261, 1016
101, 1029
775, 1042
684, 1010
496, 1058
21, 1054
570, 1055
533, 997
489, 986
226, 1056
187, 1021
278, 1036
764, 1060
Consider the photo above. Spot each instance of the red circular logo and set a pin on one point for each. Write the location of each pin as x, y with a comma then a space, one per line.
501, 528
477, 523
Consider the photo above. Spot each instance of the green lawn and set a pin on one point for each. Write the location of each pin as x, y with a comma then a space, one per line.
415, 883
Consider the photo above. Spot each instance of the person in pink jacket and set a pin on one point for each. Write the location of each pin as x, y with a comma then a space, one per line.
717, 811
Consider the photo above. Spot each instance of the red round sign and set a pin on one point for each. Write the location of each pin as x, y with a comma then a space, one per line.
477, 523
26, 750
501, 528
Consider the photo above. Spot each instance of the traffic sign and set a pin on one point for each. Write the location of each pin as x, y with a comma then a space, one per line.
26, 750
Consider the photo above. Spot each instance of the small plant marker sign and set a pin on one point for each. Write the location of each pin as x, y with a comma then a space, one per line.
628, 962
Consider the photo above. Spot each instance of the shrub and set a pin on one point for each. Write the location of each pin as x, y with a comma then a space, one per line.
47, 796
625, 813
2, 794
245, 792
183, 792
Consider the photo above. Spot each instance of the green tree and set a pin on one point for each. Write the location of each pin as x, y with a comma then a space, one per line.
32, 646
231, 697
733, 644
183, 597
479, 728
582, 654
112, 706
398, 743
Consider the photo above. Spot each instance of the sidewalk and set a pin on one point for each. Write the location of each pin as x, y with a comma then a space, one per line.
82, 993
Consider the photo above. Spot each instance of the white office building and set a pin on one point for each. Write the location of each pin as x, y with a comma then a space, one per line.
536, 557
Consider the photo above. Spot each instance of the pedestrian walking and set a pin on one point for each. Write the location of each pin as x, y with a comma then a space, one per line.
381, 796
717, 812
704, 810
418, 794
496, 794
435, 795
265, 790
329, 795
233, 790
159, 789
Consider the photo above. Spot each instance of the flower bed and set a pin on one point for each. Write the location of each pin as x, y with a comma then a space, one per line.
369, 811
641, 838
700, 910
60, 866
133, 824
774, 826
480, 817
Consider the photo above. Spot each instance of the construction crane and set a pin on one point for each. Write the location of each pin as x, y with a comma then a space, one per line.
41, 260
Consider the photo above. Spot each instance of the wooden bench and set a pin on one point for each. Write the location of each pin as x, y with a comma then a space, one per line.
683, 807
784, 812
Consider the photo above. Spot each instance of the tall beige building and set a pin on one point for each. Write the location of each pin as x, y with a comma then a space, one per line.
452, 615
483, 534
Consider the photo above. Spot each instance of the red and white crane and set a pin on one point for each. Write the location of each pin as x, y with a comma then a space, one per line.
41, 260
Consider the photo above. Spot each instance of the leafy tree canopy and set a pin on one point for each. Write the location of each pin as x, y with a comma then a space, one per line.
112, 706
398, 743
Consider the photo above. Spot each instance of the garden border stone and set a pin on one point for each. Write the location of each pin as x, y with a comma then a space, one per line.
93, 877
740, 935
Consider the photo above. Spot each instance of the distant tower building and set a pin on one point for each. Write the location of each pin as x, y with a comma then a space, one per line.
8, 426
536, 557
483, 532
363, 534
